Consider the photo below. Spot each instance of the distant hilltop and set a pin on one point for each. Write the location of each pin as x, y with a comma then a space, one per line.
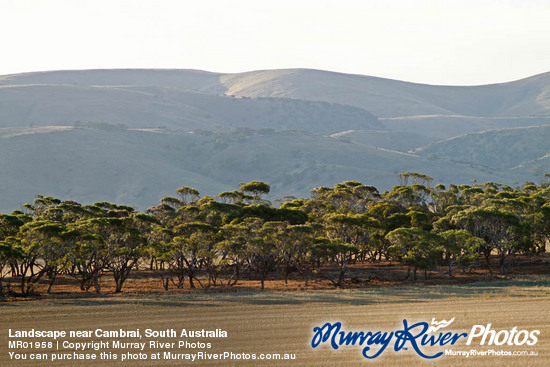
382, 97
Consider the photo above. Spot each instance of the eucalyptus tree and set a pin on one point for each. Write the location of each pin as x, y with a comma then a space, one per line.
501, 230
193, 248
388, 216
540, 227
188, 195
261, 252
175, 259
41, 204
219, 213
420, 218
443, 198
10, 252
416, 248
461, 249
160, 250
415, 177
294, 251
44, 253
249, 246
11, 223
410, 196
233, 248
340, 198
231, 196
367, 196
88, 255
164, 213
470, 195
73, 211
124, 243
146, 225
256, 189
338, 254
172, 202
356, 229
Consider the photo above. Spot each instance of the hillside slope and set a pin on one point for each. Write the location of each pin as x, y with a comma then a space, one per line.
382, 97
502, 149
443, 127
152, 106
391, 98
138, 167
196, 80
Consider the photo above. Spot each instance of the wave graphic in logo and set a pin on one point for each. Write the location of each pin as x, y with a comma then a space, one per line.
436, 325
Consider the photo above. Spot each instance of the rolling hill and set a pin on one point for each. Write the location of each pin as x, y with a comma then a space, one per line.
138, 167
152, 106
382, 97
402, 141
134, 136
503, 149
441, 127
391, 98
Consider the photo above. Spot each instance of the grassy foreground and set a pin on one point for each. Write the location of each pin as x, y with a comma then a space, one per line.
282, 322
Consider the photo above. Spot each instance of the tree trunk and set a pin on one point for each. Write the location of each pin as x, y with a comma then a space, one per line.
488, 262
52, 280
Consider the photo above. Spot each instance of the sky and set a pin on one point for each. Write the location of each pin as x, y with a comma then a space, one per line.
450, 42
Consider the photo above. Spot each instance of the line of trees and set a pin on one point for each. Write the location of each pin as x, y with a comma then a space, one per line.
189, 240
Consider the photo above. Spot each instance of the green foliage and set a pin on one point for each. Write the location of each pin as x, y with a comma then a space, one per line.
186, 238
461, 248
415, 247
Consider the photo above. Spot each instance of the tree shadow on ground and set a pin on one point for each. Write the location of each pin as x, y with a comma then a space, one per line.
531, 286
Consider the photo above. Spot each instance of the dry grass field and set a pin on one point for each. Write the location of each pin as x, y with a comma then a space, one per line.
282, 321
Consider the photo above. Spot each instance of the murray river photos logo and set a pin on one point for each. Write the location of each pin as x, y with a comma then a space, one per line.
421, 337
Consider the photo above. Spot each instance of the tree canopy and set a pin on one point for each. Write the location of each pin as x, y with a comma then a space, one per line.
189, 239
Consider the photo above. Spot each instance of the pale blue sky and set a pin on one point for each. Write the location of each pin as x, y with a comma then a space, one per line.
428, 41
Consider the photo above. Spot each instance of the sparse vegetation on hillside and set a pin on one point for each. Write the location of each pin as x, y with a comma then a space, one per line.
503, 149
136, 167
